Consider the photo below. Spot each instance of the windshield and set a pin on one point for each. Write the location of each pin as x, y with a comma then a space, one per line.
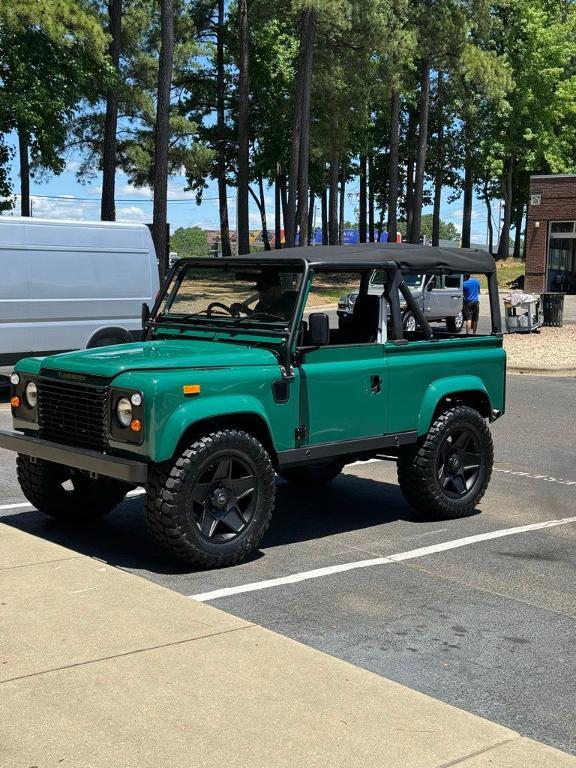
412, 281
224, 295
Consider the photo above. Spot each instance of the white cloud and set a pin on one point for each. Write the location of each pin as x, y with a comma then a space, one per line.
69, 208
131, 213
72, 166
458, 214
128, 190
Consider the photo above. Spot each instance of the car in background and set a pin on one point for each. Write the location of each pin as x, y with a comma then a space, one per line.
70, 285
439, 296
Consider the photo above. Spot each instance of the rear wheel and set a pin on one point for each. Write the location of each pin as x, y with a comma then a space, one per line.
68, 494
447, 474
213, 503
455, 324
316, 474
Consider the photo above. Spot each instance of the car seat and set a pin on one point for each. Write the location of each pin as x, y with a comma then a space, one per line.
363, 327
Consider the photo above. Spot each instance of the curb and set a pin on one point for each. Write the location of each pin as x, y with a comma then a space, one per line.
541, 371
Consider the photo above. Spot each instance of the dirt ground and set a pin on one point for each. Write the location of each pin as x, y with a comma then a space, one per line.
552, 349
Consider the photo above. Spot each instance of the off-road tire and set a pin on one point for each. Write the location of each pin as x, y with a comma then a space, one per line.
316, 474
418, 466
42, 484
452, 326
168, 506
409, 319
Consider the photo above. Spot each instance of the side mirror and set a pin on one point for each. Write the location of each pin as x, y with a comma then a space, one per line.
431, 284
145, 314
319, 333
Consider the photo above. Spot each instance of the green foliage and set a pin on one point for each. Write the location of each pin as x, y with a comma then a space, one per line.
189, 241
447, 229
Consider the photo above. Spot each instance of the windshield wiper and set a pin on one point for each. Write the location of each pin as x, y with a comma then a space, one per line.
260, 316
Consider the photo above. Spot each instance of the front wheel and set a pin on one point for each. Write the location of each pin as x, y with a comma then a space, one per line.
455, 324
212, 504
65, 494
446, 475
409, 321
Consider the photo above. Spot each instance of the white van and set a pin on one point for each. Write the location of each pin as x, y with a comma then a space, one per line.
67, 285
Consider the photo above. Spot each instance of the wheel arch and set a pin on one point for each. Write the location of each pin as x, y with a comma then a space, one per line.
113, 331
196, 418
446, 393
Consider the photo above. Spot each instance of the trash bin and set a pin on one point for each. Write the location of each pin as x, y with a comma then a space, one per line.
553, 309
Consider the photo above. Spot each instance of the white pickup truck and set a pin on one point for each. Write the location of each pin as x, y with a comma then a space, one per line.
439, 296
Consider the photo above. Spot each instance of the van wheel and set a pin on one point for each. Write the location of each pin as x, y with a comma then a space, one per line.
67, 494
455, 324
446, 475
212, 504
316, 474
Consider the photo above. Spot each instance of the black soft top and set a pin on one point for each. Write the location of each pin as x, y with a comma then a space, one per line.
410, 258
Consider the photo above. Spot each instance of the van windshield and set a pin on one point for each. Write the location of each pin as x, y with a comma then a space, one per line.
228, 296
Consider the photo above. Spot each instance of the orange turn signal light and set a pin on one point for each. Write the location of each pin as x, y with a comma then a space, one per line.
15, 402
136, 425
191, 389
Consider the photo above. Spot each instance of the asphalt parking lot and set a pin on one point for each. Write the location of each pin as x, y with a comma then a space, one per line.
487, 625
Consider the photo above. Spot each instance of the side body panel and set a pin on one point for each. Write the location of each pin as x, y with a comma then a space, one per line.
422, 372
343, 393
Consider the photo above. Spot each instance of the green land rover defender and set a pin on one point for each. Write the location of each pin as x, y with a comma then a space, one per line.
242, 374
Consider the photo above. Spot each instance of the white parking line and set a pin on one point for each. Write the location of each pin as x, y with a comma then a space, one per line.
318, 573
25, 504
546, 478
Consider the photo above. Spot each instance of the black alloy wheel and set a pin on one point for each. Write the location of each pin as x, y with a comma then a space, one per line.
445, 474
225, 497
212, 504
459, 462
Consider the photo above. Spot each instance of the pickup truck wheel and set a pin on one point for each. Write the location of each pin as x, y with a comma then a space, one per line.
66, 494
212, 504
455, 324
447, 474
409, 321
316, 474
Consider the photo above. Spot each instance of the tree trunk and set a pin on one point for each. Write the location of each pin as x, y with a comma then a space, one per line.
486, 195
25, 209
333, 202
262, 208
503, 245
371, 232
342, 202
362, 230
162, 134
311, 233
410, 139
324, 217
421, 151
243, 118
439, 174
393, 168
518, 230
221, 134
108, 206
277, 211
298, 178
468, 198
284, 199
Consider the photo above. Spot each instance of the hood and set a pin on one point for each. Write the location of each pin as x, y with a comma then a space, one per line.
160, 355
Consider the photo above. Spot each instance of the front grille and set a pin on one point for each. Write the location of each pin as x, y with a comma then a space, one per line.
72, 413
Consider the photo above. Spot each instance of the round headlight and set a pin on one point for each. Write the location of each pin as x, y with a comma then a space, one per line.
14, 379
124, 411
136, 399
31, 394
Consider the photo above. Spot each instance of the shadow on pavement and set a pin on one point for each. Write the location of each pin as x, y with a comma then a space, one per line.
302, 514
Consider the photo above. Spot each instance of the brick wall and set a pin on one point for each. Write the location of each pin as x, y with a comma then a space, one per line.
558, 204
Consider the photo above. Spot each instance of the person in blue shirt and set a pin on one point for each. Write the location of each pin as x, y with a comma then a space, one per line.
471, 303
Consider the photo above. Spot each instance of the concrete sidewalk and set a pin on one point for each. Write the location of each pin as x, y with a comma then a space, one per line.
102, 668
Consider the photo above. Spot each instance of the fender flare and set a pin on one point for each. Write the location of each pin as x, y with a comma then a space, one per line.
441, 388
199, 409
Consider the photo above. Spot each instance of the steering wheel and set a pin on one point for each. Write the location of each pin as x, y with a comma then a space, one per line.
218, 305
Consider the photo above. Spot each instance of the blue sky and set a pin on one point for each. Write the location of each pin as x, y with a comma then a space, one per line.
82, 202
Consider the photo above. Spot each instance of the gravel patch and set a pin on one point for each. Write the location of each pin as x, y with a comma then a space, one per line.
552, 349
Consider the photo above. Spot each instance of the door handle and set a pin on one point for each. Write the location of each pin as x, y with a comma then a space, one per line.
375, 383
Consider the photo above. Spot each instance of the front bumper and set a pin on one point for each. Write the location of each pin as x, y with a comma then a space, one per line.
135, 472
